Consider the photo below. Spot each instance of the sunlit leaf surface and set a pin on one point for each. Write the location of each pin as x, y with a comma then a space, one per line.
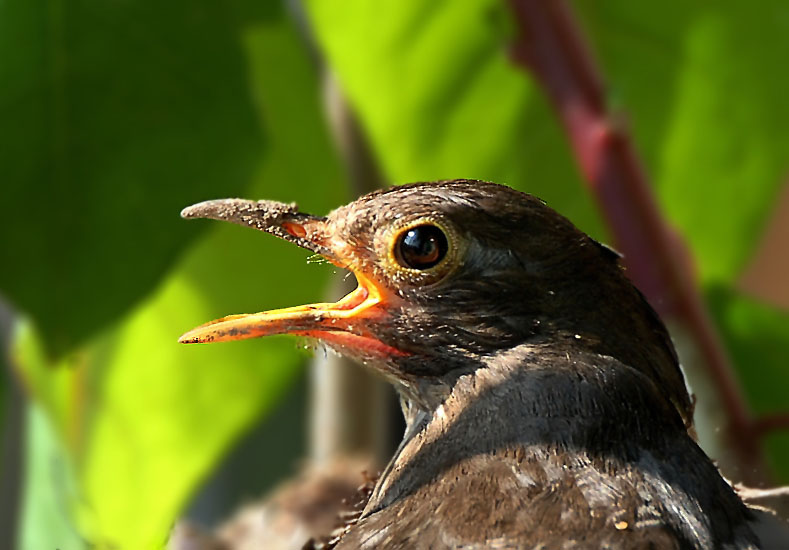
49, 489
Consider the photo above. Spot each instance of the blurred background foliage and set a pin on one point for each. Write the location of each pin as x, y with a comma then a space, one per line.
117, 115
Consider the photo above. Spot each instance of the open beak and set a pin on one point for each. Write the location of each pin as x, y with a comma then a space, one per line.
344, 324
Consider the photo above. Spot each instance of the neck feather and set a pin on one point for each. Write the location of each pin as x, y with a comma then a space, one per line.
529, 397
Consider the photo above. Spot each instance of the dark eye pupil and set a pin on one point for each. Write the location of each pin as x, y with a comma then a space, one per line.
422, 247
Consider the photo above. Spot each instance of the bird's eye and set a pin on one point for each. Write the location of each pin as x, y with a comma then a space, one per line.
421, 247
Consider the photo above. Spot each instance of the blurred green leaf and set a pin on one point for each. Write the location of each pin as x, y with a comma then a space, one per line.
114, 116
143, 429
144, 418
49, 487
702, 83
757, 336
440, 98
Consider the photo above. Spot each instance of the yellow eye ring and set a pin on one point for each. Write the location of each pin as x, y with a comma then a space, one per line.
423, 249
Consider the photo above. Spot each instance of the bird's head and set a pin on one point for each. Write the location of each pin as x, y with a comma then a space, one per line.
450, 274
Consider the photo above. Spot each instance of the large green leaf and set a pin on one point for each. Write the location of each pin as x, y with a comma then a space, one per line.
114, 116
142, 418
701, 84
440, 98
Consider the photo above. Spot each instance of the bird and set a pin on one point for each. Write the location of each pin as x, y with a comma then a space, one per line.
544, 403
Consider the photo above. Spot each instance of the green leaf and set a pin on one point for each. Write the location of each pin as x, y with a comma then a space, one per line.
49, 486
701, 83
143, 418
757, 336
143, 428
439, 97
114, 117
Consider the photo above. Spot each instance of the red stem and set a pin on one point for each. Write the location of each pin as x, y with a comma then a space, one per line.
770, 423
552, 47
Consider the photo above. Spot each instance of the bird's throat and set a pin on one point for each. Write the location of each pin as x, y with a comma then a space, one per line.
530, 403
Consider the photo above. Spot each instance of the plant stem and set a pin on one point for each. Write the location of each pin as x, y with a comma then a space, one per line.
770, 423
352, 408
12, 437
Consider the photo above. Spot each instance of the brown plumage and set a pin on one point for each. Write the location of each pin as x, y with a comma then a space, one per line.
543, 398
